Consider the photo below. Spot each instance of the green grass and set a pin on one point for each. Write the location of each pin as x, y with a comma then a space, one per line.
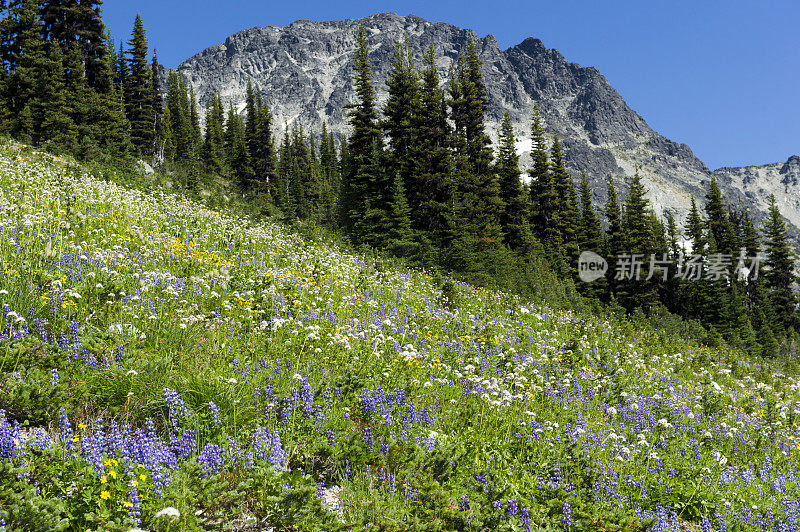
432, 404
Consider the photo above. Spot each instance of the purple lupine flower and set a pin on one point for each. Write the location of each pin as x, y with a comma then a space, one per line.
175, 405
513, 506
463, 503
183, 446
54, 380
8, 447
525, 520
720, 522
39, 439
566, 520
277, 456
211, 460
368, 439
134, 506
214, 411
66, 428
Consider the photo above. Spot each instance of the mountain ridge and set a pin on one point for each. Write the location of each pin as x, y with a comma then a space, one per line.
304, 71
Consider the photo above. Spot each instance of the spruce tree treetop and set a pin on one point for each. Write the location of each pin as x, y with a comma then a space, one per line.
402, 104
613, 213
79, 21
780, 273
138, 98
363, 115
516, 213
719, 223
636, 218
590, 236
472, 109
694, 229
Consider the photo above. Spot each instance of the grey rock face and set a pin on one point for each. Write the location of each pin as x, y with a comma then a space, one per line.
304, 71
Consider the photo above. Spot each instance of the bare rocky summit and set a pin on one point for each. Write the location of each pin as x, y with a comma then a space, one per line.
305, 70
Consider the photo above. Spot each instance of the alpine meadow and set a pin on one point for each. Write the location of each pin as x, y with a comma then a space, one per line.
377, 287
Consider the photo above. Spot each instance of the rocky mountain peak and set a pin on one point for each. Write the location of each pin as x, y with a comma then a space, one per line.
304, 71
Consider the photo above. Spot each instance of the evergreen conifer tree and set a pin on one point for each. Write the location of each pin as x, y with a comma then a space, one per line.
138, 93
329, 170
263, 158
565, 213
214, 142
400, 111
543, 193
694, 229
590, 234
430, 190
236, 149
55, 127
79, 22
23, 53
719, 223
365, 190
516, 214
156, 103
779, 276
400, 240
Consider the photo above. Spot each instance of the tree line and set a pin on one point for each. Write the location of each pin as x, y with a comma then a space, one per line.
417, 177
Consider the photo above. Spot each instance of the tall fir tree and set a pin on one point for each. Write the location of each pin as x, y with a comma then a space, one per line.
590, 234
329, 175
157, 104
565, 212
23, 52
616, 237
263, 157
83, 104
720, 228
779, 275
213, 153
110, 111
400, 110
543, 193
55, 126
469, 100
749, 236
238, 159
477, 249
138, 92
516, 214
430, 189
79, 22
694, 229
365, 196
251, 129
590, 238
640, 241
121, 72
400, 239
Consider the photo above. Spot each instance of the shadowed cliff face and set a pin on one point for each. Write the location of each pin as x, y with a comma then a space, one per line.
304, 71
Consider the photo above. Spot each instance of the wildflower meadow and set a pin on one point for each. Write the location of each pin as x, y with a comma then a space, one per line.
168, 366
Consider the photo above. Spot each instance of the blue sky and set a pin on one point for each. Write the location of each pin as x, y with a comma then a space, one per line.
721, 76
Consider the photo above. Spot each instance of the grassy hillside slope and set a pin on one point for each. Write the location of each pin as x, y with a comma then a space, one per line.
155, 353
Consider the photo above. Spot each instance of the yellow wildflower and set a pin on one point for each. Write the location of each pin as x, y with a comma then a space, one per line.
105, 495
